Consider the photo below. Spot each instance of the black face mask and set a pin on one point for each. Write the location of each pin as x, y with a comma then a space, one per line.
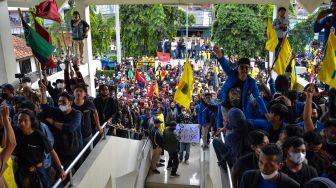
4, 95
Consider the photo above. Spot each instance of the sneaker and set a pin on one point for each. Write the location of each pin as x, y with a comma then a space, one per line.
174, 175
162, 161
169, 167
160, 165
156, 171
186, 162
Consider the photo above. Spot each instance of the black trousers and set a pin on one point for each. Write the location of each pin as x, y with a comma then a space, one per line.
173, 162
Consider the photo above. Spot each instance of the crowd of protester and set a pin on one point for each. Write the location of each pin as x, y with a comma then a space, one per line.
274, 136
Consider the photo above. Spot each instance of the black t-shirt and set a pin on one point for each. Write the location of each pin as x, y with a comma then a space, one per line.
304, 175
234, 96
331, 149
245, 163
316, 161
30, 148
88, 109
106, 108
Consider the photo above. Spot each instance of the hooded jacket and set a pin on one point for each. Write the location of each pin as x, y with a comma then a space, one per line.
250, 87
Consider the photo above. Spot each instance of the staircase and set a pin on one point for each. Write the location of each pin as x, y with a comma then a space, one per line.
189, 174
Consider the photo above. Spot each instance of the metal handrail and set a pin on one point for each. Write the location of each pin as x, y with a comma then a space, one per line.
143, 149
74, 162
227, 165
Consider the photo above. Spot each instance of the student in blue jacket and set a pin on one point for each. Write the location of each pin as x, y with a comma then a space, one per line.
239, 85
274, 123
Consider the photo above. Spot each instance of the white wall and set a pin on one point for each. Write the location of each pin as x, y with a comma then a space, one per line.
112, 163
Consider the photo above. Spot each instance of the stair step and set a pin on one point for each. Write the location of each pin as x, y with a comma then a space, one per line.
161, 185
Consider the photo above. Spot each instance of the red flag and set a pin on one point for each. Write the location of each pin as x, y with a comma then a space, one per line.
44, 33
163, 73
163, 57
139, 77
151, 91
48, 10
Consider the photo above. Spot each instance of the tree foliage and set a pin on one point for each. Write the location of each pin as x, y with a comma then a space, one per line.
143, 26
240, 29
302, 33
102, 31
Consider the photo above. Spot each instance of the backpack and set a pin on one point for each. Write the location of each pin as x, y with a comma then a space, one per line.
320, 182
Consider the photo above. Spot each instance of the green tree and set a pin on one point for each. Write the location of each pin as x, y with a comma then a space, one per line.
102, 31
143, 26
240, 29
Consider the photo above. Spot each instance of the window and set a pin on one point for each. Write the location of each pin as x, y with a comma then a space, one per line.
25, 66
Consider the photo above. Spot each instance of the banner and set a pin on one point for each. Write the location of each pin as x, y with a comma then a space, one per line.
188, 133
163, 57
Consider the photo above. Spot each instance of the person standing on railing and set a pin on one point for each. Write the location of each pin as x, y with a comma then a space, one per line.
170, 142
157, 142
65, 123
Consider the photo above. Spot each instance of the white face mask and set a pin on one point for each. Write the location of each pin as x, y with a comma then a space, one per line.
270, 176
60, 85
63, 108
297, 158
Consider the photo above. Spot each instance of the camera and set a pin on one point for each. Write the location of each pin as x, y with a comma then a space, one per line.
19, 76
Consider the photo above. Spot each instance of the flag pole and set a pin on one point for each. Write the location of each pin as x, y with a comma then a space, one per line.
278, 51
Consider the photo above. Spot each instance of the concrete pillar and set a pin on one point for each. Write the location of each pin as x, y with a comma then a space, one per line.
7, 55
117, 28
84, 11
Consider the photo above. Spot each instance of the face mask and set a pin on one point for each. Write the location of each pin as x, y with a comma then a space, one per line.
297, 158
270, 176
63, 108
60, 85
331, 142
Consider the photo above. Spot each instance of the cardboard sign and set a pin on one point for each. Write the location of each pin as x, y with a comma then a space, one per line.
188, 133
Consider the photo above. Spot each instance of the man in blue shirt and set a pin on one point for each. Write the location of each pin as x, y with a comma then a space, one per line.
65, 123
325, 21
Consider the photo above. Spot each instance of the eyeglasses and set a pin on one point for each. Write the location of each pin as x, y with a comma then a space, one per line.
244, 67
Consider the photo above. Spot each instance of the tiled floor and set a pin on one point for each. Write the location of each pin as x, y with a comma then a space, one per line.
189, 174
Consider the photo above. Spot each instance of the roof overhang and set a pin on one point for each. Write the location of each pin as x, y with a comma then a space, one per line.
309, 5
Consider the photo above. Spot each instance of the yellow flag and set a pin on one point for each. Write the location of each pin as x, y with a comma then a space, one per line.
327, 73
273, 40
183, 93
8, 175
156, 90
293, 75
284, 58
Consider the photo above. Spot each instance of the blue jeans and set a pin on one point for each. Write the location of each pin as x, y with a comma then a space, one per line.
184, 147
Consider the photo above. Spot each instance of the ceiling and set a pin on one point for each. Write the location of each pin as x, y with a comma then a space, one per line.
309, 5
